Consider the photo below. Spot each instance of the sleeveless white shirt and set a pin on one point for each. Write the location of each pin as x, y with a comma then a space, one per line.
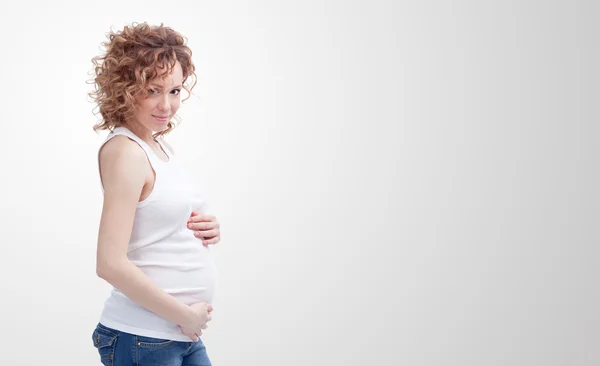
164, 248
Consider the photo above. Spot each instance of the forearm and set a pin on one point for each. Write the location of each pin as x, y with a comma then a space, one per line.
137, 286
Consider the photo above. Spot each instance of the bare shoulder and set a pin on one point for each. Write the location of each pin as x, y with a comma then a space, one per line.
122, 147
122, 160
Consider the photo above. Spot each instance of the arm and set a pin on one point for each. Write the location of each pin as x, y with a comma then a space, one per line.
123, 167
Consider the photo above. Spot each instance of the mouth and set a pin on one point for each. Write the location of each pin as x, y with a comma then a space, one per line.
161, 118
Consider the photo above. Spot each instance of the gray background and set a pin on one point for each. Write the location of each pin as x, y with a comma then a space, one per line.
398, 183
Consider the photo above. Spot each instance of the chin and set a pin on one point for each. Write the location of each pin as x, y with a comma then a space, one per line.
160, 127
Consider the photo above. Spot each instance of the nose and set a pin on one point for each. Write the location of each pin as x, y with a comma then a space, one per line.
163, 103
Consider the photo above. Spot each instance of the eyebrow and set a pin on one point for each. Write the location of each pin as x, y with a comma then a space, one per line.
160, 86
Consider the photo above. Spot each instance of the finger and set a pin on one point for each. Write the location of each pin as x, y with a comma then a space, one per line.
209, 308
192, 336
188, 332
206, 233
202, 218
211, 241
199, 225
203, 225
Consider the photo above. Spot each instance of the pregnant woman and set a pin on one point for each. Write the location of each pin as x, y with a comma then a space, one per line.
154, 235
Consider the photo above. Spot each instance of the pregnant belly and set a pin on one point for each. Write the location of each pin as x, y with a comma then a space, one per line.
184, 269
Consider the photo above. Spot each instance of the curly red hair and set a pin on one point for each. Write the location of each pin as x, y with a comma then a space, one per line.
129, 63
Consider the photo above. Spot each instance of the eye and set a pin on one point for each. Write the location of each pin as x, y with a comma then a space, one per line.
176, 91
152, 91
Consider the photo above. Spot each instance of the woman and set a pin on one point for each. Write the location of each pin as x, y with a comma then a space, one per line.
163, 277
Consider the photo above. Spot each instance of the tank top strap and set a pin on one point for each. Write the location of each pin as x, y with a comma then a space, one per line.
150, 153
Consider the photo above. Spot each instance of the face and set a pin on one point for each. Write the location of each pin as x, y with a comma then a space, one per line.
161, 101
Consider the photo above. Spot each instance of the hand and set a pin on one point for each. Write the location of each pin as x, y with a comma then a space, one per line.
205, 227
202, 311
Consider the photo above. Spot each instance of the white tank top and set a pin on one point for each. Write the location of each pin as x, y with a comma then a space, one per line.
164, 248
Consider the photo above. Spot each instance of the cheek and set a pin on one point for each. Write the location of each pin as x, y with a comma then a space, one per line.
175, 106
144, 107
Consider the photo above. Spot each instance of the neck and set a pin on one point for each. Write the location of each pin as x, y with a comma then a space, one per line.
140, 131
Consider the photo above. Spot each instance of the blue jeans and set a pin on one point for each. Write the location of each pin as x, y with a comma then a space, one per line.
118, 348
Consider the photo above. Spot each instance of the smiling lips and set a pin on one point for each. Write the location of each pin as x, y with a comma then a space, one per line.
161, 118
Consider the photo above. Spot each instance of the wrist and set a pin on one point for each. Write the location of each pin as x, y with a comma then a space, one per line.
186, 315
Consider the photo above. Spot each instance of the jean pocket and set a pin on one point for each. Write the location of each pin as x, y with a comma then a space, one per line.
149, 342
104, 341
